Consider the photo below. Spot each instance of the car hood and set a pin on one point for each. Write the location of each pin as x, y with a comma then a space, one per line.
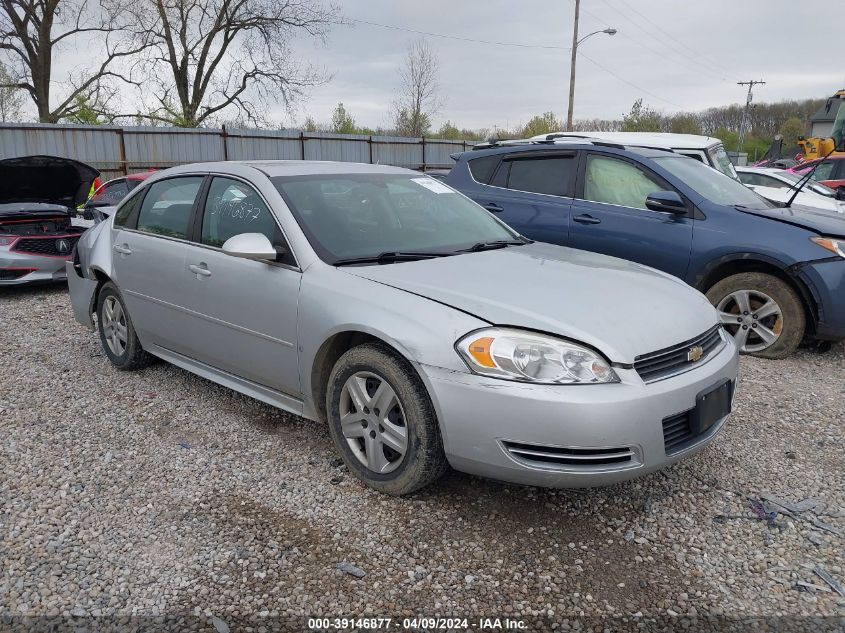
822, 221
803, 199
621, 308
45, 179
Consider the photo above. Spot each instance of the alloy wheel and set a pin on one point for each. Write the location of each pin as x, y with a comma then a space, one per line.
114, 326
753, 318
373, 422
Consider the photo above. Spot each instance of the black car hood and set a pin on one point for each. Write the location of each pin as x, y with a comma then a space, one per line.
822, 221
45, 179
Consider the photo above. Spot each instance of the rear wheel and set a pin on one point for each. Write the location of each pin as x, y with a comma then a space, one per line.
762, 313
382, 421
117, 335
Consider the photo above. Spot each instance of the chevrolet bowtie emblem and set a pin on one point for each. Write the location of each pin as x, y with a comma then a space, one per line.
695, 353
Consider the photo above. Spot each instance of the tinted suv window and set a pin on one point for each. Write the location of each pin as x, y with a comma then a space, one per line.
167, 206
551, 175
618, 182
482, 168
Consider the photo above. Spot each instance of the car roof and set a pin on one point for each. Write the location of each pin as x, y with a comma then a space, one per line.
657, 139
540, 146
274, 168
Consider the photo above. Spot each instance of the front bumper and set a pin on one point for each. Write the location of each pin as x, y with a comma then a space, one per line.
23, 268
483, 419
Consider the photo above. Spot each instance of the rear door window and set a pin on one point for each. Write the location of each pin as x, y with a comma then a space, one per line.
550, 175
167, 207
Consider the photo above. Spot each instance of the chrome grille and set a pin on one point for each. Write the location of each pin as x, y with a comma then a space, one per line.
540, 455
674, 360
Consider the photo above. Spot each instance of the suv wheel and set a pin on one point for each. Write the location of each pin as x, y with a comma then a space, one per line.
117, 335
382, 421
762, 313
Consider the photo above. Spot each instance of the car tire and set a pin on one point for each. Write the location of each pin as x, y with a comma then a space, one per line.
788, 323
117, 334
367, 437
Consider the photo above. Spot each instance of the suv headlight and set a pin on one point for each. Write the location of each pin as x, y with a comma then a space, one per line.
529, 357
833, 244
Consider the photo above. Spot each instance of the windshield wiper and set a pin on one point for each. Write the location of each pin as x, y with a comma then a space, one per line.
389, 257
488, 246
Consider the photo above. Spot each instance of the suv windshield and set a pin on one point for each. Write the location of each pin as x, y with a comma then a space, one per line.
713, 185
722, 162
351, 216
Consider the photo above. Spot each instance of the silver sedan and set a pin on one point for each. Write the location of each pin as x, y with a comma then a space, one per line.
423, 330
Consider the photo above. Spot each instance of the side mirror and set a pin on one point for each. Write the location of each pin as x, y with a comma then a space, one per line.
840, 193
666, 202
250, 246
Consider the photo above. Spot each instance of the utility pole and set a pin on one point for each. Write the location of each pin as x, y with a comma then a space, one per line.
572, 68
745, 112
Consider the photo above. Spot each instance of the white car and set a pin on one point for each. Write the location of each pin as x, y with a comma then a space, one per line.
778, 185
706, 149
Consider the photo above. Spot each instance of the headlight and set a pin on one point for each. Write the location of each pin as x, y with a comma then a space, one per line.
834, 245
530, 357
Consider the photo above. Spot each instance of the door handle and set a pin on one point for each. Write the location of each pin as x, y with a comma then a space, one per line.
201, 270
492, 206
586, 218
123, 249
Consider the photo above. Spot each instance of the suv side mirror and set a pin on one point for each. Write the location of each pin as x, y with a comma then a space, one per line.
250, 246
666, 202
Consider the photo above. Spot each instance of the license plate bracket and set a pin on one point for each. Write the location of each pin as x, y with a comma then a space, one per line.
711, 406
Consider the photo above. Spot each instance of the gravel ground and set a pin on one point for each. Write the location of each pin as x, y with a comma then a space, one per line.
160, 493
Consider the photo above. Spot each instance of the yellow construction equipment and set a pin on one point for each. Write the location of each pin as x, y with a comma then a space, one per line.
817, 146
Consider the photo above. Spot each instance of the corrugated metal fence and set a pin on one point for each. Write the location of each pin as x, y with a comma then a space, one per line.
117, 151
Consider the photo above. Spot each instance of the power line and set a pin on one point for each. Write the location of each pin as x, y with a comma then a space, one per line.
660, 54
633, 85
745, 112
459, 38
561, 48
716, 66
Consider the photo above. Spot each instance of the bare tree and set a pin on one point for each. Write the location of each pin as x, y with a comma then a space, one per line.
32, 31
418, 99
11, 99
210, 55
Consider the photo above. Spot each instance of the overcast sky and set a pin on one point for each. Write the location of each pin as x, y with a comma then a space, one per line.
795, 46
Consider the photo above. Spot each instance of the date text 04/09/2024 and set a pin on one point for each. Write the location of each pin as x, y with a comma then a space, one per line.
419, 623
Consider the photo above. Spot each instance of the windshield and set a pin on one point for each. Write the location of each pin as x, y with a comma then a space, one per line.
721, 161
713, 185
348, 216
815, 187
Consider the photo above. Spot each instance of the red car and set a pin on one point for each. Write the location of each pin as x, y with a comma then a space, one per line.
831, 172
105, 199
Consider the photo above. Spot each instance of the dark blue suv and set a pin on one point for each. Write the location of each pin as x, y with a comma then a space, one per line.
776, 275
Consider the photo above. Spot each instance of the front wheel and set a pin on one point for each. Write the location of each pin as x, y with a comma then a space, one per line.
762, 313
382, 421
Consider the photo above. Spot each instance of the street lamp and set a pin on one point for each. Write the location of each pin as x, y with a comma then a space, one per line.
575, 43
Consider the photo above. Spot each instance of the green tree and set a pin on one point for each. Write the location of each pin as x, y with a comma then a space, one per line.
729, 138
641, 119
541, 124
791, 129
86, 113
310, 125
342, 121
684, 123
449, 131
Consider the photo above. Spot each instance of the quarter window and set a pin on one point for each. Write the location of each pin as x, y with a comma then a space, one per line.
482, 168
125, 210
551, 175
617, 182
166, 209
